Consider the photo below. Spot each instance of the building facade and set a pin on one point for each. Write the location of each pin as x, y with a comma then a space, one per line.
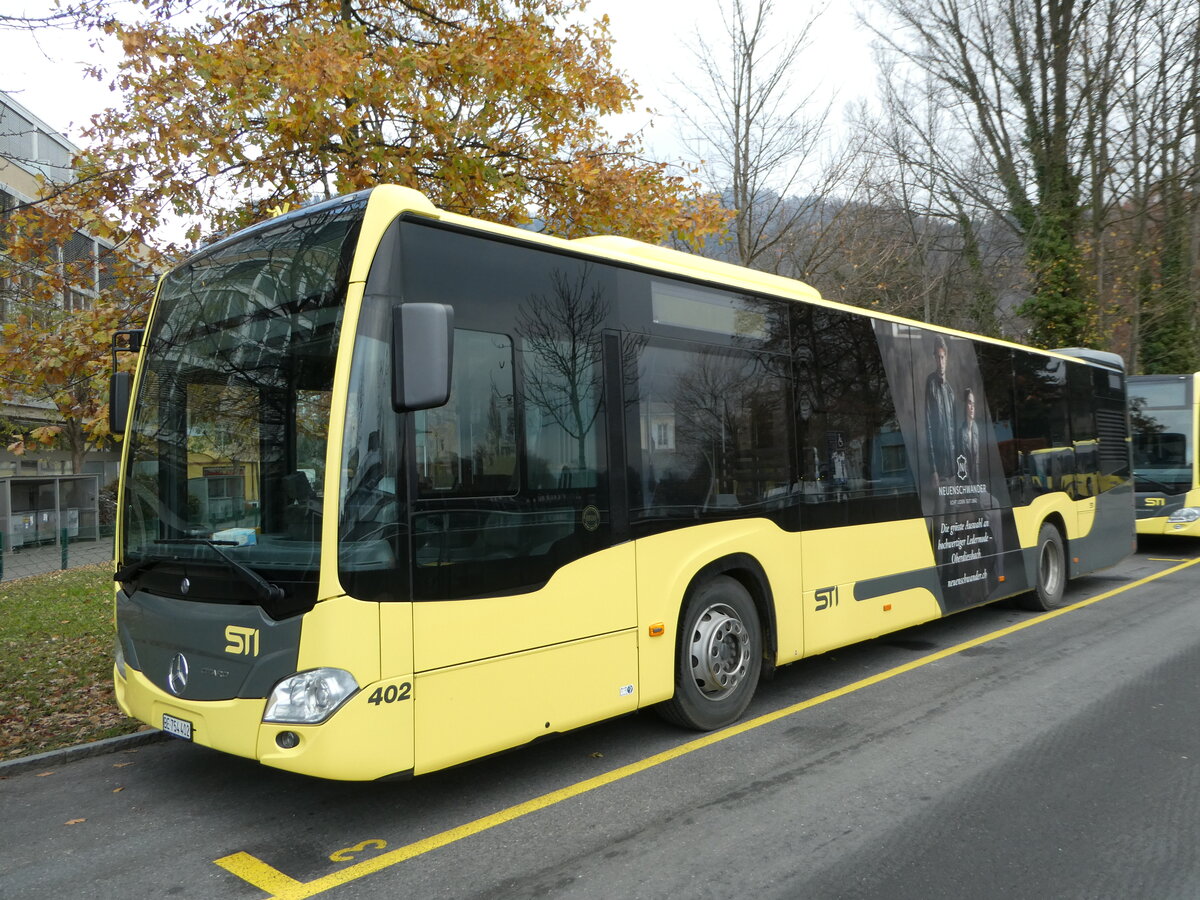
33, 158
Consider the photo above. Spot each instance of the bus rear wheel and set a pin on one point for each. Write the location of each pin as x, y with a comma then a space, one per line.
718, 657
1051, 571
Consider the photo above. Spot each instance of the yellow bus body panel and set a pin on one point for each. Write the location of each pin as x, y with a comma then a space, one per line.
1029, 518
364, 740
395, 640
1085, 515
1155, 525
361, 741
840, 557
591, 596
342, 633
470, 710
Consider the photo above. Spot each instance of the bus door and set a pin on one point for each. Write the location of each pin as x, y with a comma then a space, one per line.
524, 610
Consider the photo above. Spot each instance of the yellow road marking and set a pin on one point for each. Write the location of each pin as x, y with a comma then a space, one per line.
263, 876
258, 873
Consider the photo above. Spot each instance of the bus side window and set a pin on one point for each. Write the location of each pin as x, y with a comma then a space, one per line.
711, 439
1043, 424
996, 369
468, 446
856, 466
1084, 437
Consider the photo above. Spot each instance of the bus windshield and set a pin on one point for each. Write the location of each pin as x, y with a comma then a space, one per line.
227, 443
1161, 421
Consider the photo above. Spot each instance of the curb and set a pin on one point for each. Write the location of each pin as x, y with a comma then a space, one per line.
80, 751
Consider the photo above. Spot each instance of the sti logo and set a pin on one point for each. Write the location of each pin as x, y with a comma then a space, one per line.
242, 641
827, 598
1156, 501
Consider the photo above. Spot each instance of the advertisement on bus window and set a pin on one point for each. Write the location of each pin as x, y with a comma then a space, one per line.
947, 427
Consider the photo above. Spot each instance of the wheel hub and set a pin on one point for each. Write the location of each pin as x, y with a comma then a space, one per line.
720, 651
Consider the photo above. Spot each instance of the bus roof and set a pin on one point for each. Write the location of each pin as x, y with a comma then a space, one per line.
394, 199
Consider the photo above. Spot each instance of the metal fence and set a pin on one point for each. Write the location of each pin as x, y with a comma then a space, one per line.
64, 552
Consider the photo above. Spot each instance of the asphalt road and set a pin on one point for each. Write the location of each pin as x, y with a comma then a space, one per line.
997, 753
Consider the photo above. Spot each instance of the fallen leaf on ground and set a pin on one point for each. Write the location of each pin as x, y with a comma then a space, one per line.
74, 821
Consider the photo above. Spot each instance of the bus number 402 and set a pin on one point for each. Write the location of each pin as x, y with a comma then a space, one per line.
391, 693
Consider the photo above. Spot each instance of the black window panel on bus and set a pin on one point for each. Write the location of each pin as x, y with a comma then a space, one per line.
1043, 435
1084, 436
996, 370
672, 308
512, 473
1112, 427
855, 467
373, 517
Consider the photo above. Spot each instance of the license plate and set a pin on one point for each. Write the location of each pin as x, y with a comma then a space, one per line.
181, 728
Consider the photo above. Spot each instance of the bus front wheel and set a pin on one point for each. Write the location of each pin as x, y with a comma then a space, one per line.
718, 656
1051, 571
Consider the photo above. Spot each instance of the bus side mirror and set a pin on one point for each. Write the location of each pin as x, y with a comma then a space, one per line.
119, 386
422, 355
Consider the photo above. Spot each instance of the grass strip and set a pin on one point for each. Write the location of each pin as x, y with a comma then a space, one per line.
56, 642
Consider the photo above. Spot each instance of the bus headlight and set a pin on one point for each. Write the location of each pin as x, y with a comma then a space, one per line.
1182, 516
309, 698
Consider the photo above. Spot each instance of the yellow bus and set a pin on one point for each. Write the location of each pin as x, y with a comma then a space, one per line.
509, 485
1162, 411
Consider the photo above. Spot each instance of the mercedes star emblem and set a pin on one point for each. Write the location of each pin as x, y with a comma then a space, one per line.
177, 676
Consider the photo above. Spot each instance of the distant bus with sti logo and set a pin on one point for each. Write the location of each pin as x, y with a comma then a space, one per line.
1162, 413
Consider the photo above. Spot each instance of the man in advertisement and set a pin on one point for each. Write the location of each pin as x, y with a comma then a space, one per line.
940, 418
969, 438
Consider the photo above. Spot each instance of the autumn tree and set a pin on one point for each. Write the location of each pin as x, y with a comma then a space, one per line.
65, 294
490, 109
228, 110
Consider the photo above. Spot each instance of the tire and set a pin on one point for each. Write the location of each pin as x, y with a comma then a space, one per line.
718, 656
1051, 572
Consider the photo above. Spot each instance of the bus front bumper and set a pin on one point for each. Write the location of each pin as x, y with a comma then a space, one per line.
1174, 524
356, 743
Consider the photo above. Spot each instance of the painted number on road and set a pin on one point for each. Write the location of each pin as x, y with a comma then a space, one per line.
348, 853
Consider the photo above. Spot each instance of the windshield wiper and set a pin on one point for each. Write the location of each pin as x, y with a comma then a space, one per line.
267, 592
133, 569
1163, 486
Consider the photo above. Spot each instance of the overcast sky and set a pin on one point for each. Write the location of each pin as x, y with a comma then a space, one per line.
45, 71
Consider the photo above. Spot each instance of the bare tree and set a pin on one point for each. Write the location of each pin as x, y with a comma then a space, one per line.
1149, 237
760, 136
1073, 123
